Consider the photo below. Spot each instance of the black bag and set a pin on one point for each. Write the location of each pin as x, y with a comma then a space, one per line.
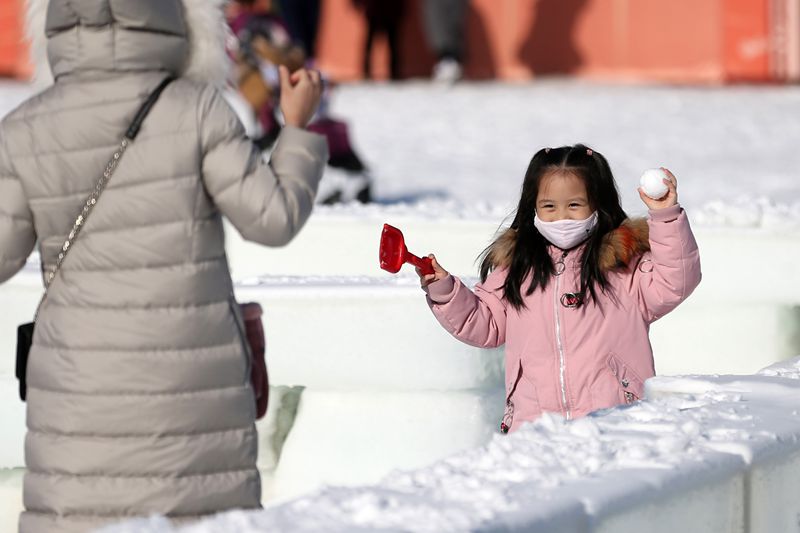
25, 331
24, 342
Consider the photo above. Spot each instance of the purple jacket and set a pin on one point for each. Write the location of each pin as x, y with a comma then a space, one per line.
575, 360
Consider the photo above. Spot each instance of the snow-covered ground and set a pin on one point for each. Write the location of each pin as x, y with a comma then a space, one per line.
472, 143
448, 164
463, 150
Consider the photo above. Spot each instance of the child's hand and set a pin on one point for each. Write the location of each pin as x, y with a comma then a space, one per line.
300, 95
670, 199
438, 273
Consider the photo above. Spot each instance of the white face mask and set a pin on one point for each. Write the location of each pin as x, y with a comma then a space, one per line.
567, 233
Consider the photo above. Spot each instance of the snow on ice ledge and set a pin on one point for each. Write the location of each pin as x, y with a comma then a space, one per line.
700, 454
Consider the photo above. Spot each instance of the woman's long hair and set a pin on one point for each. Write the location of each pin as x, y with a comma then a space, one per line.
530, 254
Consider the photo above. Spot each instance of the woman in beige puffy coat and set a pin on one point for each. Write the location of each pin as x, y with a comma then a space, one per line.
138, 390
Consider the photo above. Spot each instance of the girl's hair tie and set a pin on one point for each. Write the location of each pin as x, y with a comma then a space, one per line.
589, 152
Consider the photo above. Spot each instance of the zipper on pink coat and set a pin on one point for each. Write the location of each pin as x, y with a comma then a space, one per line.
559, 345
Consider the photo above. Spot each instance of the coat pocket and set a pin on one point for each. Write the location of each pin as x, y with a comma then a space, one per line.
511, 387
630, 385
522, 400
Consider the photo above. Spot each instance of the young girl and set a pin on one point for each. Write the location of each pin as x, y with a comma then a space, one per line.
572, 288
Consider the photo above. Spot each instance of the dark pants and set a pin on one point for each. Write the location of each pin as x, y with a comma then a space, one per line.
444, 26
302, 18
391, 28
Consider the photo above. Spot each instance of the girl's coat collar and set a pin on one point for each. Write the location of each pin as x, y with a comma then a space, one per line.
620, 246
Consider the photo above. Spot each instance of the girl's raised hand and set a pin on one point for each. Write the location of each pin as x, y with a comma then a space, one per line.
438, 273
670, 199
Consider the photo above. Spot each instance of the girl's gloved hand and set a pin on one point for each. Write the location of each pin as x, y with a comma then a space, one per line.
438, 273
670, 199
300, 95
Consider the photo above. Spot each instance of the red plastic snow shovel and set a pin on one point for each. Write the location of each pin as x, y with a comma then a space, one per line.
393, 252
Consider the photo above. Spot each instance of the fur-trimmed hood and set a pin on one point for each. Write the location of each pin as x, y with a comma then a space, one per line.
620, 246
185, 37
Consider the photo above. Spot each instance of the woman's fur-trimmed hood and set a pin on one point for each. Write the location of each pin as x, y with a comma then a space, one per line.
204, 30
620, 246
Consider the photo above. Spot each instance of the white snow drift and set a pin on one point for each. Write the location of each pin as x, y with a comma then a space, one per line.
700, 454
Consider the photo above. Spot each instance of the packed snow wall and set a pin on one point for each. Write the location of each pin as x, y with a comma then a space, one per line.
701, 454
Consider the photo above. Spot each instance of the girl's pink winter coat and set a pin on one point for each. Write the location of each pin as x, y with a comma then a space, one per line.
575, 360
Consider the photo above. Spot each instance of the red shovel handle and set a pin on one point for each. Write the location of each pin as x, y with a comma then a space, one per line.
425, 264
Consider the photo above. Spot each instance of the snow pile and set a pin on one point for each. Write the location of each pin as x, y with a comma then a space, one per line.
785, 369
705, 454
749, 212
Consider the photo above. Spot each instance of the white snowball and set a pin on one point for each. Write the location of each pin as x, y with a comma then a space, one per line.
652, 183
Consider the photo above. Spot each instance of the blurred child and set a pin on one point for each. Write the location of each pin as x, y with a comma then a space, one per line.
263, 43
572, 288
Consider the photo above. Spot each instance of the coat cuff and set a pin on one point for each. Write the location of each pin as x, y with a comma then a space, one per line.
668, 214
442, 291
315, 143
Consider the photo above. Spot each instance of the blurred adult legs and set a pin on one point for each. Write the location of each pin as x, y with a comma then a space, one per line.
444, 26
302, 18
391, 30
383, 17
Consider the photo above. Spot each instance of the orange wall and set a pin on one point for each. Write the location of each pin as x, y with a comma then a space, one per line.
675, 40
13, 61
747, 40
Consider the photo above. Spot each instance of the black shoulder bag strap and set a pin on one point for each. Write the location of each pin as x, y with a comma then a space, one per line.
25, 331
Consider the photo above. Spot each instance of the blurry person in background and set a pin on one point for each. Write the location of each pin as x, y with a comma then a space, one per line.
262, 44
444, 26
383, 17
302, 19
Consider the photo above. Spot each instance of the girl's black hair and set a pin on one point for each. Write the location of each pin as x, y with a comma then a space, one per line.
530, 255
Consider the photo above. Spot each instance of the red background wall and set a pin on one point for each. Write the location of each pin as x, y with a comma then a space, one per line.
675, 40
681, 41
13, 60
